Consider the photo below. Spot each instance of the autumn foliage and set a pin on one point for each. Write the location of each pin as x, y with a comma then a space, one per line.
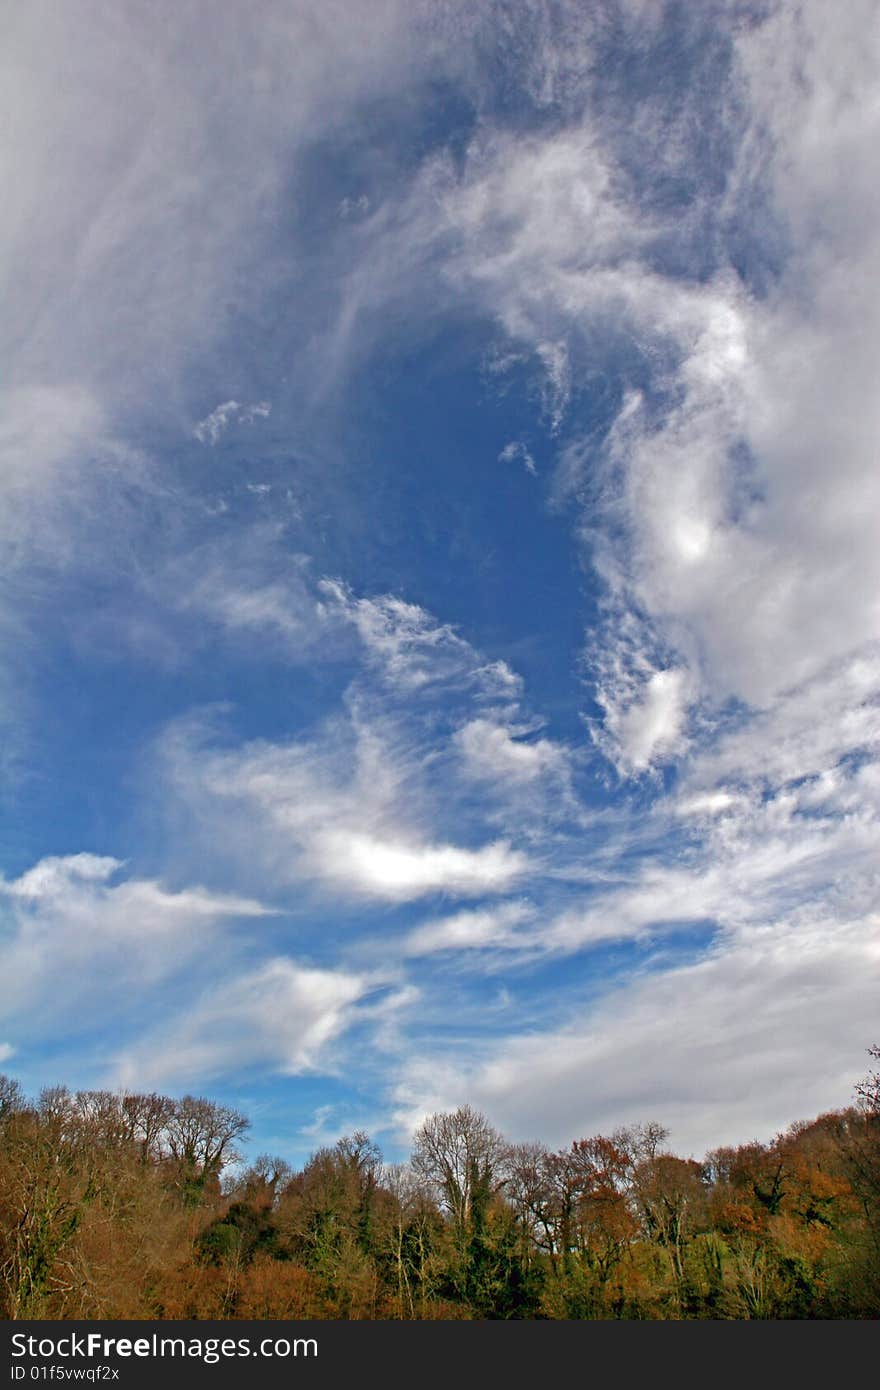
137, 1206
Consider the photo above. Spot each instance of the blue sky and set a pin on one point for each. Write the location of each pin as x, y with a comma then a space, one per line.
440, 601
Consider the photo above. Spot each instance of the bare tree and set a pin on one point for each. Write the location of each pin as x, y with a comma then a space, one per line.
56, 1104
458, 1152
262, 1182
147, 1118
11, 1096
868, 1091
45, 1187
97, 1118
531, 1189
406, 1233
641, 1141
201, 1136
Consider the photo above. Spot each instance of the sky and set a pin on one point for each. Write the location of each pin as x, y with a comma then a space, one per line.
440, 580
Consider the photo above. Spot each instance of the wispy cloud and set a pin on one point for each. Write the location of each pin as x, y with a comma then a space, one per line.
412, 649
468, 931
281, 1016
342, 808
361, 701
754, 1036
84, 941
215, 425
516, 452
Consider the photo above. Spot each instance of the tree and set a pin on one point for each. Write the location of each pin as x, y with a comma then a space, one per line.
11, 1097
575, 1206
462, 1156
671, 1196
604, 1225
147, 1118
457, 1152
531, 1190
868, 1091
406, 1235
46, 1183
201, 1139
326, 1214
115, 1205
262, 1182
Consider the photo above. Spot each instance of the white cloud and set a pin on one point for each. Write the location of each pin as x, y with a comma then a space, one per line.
477, 930
76, 942
712, 508
42, 428
767, 1022
516, 452
771, 564
730, 515
533, 218
61, 514
60, 461
806, 732
495, 751
345, 808
251, 584
643, 695
650, 727
412, 649
215, 425
762, 1032
251, 587
51, 877
209, 430
161, 190
399, 871
354, 804
281, 1015
120, 306
762, 850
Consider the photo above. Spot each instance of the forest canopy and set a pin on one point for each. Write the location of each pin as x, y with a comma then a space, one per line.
123, 1205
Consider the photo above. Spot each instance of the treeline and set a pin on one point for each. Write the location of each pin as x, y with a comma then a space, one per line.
136, 1206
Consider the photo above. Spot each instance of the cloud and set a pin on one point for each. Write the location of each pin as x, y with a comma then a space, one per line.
494, 751
807, 732
477, 930
776, 877
77, 944
60, 461
674, 265
281, 1016
164, 193
131, 304
708, 505
533, 219
363, 804
748, 550
42, 428
644, 726
215, 425
252, 588
762, 1032
400, 871
516, 452
642, 690
333, 809
412, 649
